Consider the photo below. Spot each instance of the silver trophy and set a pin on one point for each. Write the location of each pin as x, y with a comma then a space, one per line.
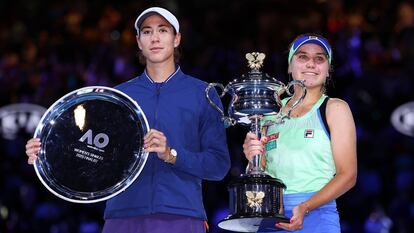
255, 198
92, 144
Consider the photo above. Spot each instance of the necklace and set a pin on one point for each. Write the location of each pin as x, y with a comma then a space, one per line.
301, 109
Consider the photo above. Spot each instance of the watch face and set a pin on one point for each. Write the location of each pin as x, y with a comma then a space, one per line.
92, 144
173, 152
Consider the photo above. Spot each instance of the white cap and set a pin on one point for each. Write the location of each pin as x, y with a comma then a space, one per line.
157, 10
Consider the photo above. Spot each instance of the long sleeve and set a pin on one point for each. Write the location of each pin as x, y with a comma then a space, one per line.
212, 162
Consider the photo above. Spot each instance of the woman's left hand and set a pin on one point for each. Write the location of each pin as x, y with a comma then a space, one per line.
296, 221
155, 141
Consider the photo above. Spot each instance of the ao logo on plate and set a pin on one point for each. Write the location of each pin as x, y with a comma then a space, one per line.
100, 140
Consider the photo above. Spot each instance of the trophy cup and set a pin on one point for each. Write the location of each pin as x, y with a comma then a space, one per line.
255, 197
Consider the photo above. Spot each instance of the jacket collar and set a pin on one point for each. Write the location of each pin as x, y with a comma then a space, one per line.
177, 71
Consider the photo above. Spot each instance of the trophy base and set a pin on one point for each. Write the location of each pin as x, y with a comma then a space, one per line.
256, 200
251, 223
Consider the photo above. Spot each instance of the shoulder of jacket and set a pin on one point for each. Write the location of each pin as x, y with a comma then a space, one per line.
195, 82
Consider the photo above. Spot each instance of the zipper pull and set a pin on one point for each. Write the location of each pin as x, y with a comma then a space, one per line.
158, 86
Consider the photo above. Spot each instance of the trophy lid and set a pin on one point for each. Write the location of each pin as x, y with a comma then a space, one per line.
255, 77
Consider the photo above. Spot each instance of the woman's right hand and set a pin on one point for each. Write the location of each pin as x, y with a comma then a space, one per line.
32, 149
253, 146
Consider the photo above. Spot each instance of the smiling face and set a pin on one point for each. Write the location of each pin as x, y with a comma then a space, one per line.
157, 40
310, 64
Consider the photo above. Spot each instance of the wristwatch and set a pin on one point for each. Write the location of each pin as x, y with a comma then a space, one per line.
172, 157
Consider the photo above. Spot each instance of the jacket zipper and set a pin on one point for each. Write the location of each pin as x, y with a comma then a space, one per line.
157, 94
158, 91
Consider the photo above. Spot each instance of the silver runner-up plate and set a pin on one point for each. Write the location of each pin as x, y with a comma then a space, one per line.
91, 144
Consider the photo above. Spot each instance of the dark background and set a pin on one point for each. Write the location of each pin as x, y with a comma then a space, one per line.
49, 48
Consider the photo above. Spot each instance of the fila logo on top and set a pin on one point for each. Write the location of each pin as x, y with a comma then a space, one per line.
309, 133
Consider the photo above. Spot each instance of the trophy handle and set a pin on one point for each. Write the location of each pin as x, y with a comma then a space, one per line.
277, 95
297, 102
228, 121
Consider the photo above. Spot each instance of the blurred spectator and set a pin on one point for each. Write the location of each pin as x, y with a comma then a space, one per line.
377, 222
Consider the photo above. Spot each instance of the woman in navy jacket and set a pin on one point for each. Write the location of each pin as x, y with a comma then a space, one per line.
187, 141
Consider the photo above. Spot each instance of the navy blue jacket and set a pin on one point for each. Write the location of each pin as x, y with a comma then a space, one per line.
178, 108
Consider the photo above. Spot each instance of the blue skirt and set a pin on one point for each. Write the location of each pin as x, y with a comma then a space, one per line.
324, 219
